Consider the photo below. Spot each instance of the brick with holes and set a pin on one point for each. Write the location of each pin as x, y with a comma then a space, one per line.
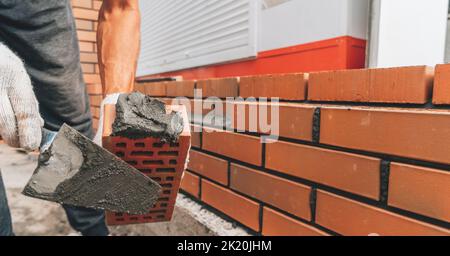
164, 162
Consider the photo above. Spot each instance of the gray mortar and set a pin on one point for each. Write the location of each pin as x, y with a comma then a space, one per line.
213, 222
75, 171
139, 116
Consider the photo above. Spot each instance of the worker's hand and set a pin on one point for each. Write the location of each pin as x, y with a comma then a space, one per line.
20, 122
110, 99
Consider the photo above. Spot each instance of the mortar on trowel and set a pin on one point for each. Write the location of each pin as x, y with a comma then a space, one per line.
75, 171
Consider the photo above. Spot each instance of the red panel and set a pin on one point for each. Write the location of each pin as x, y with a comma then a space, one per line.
332, 54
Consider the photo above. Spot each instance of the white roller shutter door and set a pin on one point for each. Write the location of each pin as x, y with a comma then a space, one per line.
181, 34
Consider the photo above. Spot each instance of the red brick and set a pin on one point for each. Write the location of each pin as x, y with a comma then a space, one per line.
237, 146
349, 172
95, 112
97, 4
277, 224
87, 47
237, 207
92, 79
155, 89
88, 68
180, 88
196, 135
191, 184
420, 134
421, 190
295, 120
88, 57
281, 193
94, 89
441, 91
87, 36
96, 100
95, 123
389, 85
82, 3
86, 14
209, 166
139, 87
221, 88
352, 218
285, 87
84, 24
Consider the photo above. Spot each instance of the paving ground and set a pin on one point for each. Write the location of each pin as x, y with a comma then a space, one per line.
40, 218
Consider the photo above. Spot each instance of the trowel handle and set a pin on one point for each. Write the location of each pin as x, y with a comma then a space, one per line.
47, 139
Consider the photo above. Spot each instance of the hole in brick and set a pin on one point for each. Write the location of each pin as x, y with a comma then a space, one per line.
173, 162
121, 145
170, 178
160, 216
166, 185
169, 170
142, 153
119, 214
158, 144
134, 218
166, 192
132, 162
163, 199
148, 217
120, 219
168, 153
174, 145
139, 145
156, 178
120, 154
153, 162
146, 171
157, 211
164, 205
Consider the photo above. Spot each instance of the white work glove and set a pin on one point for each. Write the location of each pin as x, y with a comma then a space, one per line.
20, 122
110, 99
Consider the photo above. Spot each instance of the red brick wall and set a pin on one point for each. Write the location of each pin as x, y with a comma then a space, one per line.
360, 152
86, 14
378, 164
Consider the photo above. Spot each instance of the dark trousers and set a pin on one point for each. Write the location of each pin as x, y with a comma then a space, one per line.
5, 216
43, 34
88, 222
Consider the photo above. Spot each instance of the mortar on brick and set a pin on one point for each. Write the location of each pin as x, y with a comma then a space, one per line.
139, 116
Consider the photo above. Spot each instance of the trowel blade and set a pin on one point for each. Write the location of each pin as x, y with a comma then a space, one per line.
77, 172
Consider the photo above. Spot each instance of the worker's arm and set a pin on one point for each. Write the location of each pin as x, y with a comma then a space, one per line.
118, 38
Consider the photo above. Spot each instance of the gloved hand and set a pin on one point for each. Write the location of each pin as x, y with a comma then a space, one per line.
20, 122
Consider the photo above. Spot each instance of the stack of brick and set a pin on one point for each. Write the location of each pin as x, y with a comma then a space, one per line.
86, 16
360, 152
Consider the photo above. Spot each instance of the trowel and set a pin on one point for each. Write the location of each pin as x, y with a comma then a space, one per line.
73, 170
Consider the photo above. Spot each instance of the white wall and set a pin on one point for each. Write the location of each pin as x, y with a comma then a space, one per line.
408, 32
303, 21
